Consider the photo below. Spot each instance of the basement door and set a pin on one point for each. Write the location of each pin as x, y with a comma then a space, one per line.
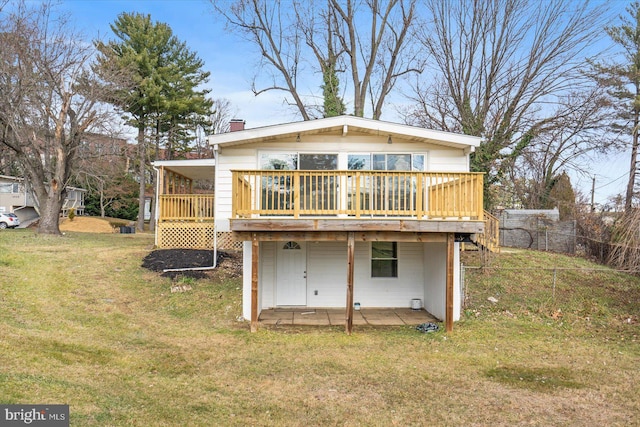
291, 274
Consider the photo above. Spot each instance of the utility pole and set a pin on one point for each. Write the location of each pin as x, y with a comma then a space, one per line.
593, 194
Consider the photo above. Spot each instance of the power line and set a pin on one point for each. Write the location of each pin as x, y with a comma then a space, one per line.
611, 182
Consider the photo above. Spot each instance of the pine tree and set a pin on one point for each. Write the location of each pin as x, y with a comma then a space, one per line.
160, 89
623, 81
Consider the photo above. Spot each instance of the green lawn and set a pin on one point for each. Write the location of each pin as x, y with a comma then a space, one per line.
83, 324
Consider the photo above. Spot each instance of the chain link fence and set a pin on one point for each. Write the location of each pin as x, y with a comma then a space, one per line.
587, 293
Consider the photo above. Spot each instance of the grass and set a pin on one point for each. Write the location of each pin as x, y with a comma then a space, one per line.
83, 324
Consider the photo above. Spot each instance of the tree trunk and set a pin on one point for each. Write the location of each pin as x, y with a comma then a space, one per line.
102, 206
628, 202
142, 158
152, 219
50, 212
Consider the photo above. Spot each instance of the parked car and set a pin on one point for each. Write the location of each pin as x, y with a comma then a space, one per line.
8, 220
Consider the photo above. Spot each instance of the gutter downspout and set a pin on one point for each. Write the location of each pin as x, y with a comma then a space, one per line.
215, 227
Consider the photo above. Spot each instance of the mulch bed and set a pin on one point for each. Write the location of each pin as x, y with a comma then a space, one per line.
163, 259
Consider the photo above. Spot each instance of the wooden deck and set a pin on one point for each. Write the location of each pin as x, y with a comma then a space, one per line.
265, 201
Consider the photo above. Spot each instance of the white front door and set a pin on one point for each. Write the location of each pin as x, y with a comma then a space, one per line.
291, 274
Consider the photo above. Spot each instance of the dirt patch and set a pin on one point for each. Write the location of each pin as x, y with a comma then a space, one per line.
229, 263
86, 224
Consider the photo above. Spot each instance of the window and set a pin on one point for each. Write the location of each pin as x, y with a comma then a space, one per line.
279, 161
384, 259
291, 246
316, 192
418, 162
392, 162
389, 194
301, 161
318, 162
10, 187
359, 162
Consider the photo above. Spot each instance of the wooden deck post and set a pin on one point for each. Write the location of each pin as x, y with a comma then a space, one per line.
351, 243
449, 283
255, 247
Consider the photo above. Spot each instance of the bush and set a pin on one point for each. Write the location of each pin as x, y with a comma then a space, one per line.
125, 207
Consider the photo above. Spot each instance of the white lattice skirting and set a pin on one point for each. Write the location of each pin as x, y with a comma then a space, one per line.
193, 236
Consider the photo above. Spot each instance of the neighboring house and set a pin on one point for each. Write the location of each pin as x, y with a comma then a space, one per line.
15, 197
333, 212
74, 200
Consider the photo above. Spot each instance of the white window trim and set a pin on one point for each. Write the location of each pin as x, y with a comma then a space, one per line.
397, 258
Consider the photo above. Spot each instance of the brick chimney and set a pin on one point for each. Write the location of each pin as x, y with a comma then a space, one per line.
236, 125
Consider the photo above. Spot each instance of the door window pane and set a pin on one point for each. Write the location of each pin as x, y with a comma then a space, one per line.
318, 162
398, 162
277, 188
379, 162
278, 161
318, 191
418, 162
359, 162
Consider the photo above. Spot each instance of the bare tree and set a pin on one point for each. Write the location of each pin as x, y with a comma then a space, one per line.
269, 25
49, 100
104, 162
577, 134
371, 42
497, 67
379, 56
223, 112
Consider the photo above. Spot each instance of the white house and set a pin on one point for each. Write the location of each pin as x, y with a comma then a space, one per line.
333, 212
16, 197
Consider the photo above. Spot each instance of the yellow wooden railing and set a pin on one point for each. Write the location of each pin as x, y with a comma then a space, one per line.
490, 239
186, 207
421, 195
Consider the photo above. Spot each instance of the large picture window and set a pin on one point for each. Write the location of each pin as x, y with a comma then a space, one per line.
389, 194
316, 193
384, 259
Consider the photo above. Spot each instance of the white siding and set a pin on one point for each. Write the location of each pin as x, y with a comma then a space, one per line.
267, 273
421, 274
327, 274
246, 157
389, 292
457, 294
246, 280
228, 160
447, 161
435, 263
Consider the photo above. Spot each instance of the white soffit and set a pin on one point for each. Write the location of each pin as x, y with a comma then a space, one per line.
341, 126
197, 169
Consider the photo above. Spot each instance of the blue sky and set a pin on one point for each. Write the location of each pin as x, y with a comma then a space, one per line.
194, 22
232, 63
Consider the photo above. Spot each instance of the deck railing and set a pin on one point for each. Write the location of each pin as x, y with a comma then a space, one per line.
490, 239
421, 195
186, 207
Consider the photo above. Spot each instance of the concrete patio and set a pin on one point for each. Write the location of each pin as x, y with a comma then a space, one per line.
336, 316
